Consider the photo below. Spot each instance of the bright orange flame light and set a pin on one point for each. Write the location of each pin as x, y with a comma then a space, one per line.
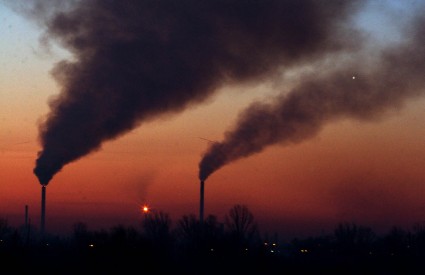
145, 209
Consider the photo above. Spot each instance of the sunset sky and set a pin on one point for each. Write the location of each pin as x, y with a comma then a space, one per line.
351, 159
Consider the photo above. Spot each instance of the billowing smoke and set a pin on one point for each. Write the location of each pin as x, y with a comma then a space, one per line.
136, 60
361, 87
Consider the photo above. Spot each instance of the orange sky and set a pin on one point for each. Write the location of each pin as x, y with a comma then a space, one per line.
370, 173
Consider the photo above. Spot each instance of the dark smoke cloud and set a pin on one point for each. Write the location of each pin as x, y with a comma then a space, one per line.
394, 76
136, 60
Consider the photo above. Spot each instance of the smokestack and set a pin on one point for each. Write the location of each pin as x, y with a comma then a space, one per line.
43, 208
201, 206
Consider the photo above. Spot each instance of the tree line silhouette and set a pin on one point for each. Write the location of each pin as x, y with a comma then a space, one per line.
234, 246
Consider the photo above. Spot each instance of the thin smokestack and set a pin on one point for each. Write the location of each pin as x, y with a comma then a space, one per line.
134, 61
201, 205
355, 89
43, 209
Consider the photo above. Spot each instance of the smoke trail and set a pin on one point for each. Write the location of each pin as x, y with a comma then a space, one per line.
136, 60
328, 94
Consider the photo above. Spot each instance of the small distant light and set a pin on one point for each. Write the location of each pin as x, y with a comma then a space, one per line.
272, 251
354, 77
212, 249
91, 245
266, 243
274, 244
246, 249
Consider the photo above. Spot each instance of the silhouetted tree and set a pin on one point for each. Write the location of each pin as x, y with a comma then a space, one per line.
241, 226
351, 238
396, 242
419, 239
189, 234
4, 228
124, 237
199, 237
188, 226
157, 225
157, 229
9, 236
212, 232
81, 234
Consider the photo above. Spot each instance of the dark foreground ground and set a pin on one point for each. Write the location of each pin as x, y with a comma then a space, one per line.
59, 257
211, 247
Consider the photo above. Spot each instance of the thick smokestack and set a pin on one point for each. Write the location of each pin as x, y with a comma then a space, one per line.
43, 209
361, 87
134, 61
201, 205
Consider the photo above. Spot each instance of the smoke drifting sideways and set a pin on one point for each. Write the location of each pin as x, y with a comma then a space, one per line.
363, 87
134, 61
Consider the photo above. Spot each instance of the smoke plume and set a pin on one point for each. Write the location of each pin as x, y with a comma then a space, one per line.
136, 60
362, 87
